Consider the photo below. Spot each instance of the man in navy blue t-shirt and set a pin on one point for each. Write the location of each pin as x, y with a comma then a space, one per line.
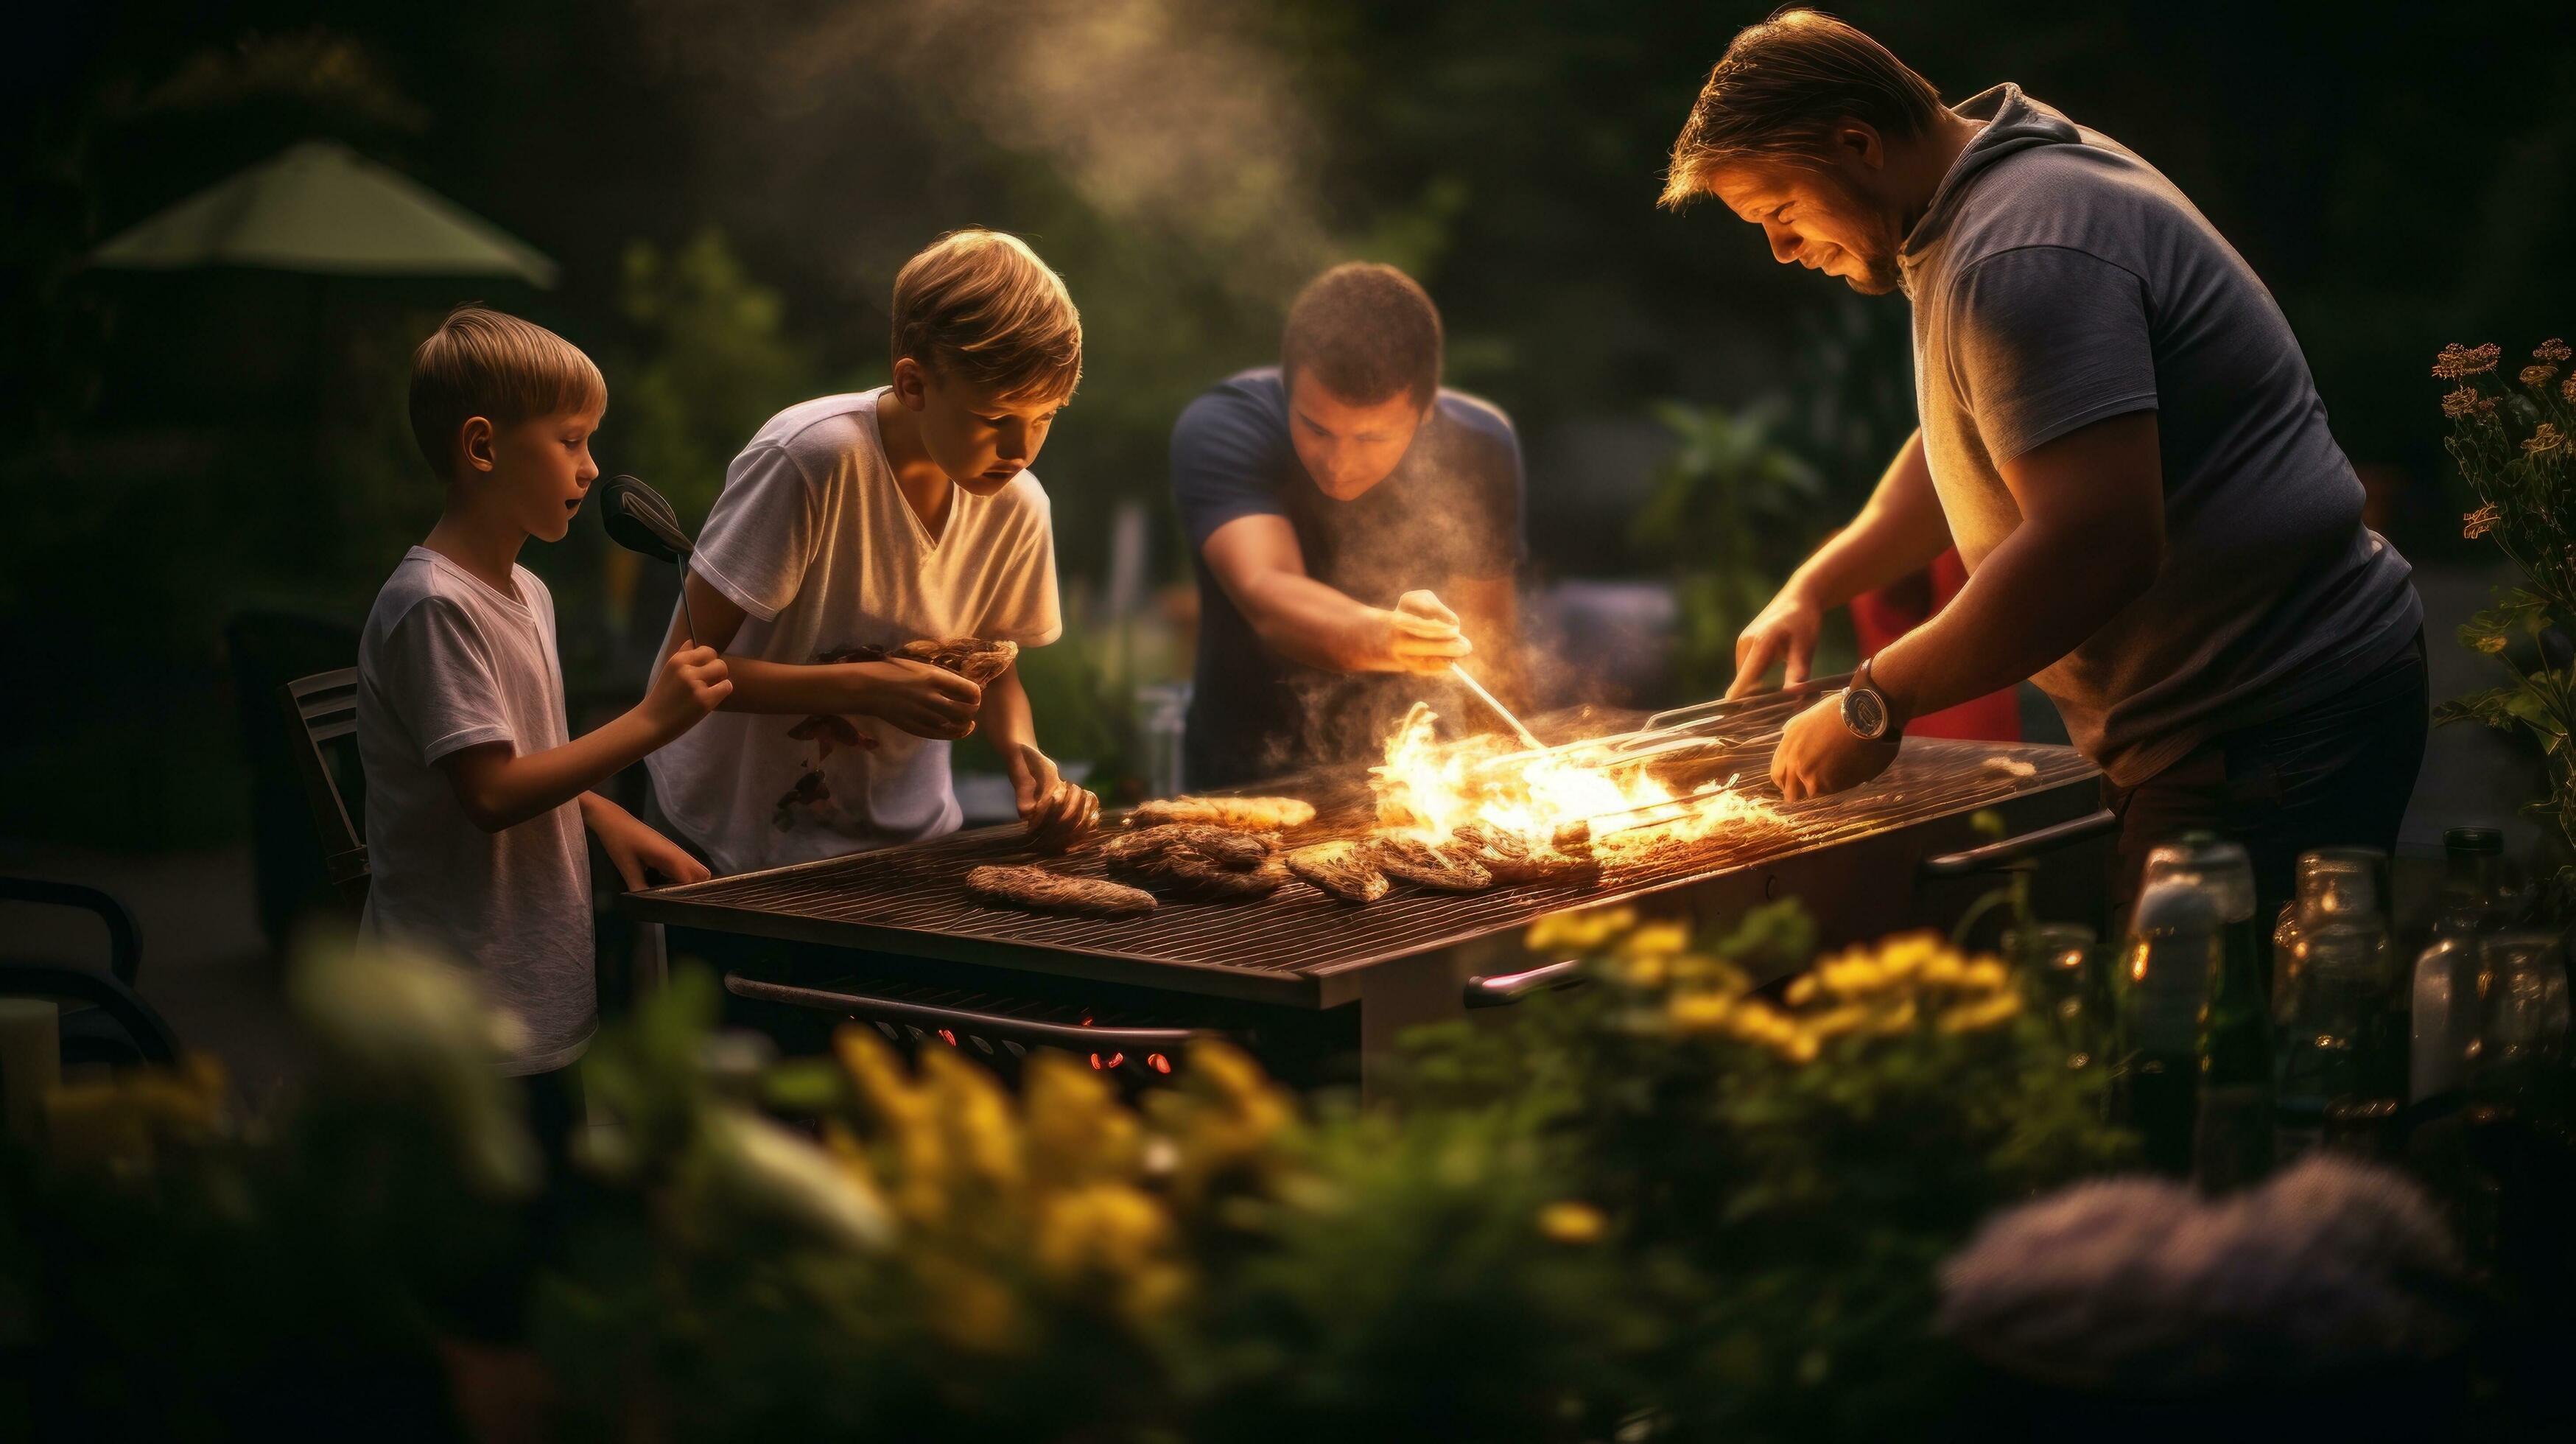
1356, 528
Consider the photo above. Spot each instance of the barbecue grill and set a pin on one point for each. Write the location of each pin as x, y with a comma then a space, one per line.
1318, 988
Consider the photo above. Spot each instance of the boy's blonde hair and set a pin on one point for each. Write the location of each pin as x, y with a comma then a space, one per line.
480, 362
979, 306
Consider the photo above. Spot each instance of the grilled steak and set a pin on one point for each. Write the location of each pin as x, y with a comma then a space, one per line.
973, 658
1217, 844
1410, 859
1338, 868
1512, 858
1199, 879
1039, 890
1249, 814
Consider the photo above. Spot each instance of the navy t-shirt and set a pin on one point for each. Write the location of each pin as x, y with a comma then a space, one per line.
1450, 510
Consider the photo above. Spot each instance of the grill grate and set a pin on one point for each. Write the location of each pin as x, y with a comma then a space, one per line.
1299, 932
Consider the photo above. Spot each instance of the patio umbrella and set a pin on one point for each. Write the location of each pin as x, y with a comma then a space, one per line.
320, 208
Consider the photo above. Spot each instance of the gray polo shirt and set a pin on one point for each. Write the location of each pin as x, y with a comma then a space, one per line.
2059, 280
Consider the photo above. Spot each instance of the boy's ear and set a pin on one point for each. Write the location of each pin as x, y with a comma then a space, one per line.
474, 440
911, 383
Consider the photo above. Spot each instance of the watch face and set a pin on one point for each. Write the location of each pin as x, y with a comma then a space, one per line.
1865, 713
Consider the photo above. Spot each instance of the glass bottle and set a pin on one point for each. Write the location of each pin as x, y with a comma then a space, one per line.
2224, 866
2475, 898
2336, 999
2059, 975
2173, 952
2232, 1142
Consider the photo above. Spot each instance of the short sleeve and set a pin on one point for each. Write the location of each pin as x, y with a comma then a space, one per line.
438, 673
1224, 464
760, 537
2044, 340
1501, 544
1025, 609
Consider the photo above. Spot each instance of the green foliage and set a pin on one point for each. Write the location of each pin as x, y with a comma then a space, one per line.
1729, 501
716, 361
2512, 444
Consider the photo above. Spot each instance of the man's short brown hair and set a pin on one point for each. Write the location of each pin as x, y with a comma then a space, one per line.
1367, 332
980, 307
1782, 87
480, 362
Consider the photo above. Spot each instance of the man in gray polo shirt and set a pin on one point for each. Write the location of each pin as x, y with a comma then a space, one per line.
2118, 433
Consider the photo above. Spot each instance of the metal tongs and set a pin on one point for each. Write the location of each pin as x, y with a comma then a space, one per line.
1668, 735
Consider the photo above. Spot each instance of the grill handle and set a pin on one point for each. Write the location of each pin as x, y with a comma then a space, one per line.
1997, 855
1506, 989
1080, 1040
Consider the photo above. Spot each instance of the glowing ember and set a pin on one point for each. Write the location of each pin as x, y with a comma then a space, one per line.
1436, 787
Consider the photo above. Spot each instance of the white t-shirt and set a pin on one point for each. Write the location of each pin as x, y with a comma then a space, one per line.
812, 538
447, 663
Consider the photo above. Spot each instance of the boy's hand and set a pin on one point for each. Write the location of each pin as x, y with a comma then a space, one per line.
636, 849
923, 700
1420, 635
1057, 813
691, 684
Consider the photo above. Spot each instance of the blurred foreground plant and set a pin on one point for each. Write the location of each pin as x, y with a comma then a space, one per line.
2512, 443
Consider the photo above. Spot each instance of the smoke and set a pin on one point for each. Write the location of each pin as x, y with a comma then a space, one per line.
1177, 118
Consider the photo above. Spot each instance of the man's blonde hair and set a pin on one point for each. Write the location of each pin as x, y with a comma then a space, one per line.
480, 362
980, 307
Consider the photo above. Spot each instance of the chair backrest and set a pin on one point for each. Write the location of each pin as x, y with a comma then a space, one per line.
322, 717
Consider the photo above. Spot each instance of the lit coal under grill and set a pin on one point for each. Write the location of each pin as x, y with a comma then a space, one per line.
1316, 987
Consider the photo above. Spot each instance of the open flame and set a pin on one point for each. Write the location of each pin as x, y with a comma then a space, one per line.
1435, 787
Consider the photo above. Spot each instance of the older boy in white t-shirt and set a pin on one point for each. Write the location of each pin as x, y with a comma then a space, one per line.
476, 794
853, 524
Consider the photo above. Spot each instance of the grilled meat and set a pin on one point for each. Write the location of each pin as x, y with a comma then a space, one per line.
973, 658
1039, 890
1512, 858
1249, 814
1410, 859
1199, 879
1223, 845
1338, 868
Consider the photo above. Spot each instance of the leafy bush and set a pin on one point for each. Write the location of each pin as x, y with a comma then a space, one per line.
2512, 443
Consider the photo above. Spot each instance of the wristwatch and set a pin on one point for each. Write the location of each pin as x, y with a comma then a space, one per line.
1865, 709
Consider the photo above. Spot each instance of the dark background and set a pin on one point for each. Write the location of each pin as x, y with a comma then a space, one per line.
728, 190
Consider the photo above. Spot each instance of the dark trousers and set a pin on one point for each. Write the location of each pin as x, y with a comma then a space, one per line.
2334, 773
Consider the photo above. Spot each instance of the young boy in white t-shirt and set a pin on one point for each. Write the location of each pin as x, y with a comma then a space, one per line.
476, 800
853, 524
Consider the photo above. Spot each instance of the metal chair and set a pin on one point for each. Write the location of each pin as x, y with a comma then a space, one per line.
117, 1027
323, 709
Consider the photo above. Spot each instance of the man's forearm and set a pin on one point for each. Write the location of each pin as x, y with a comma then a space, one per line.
2036, 598
1897, 533
1307, 621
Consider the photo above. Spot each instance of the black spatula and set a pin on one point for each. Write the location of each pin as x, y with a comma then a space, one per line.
639, 520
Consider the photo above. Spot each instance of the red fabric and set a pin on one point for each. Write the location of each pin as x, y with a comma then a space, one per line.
1882, 616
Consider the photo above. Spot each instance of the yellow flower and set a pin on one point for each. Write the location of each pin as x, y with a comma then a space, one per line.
1835, 1022
2544, 440
1699, 1012
2567, 388
2465, 401
1984, 1013
1944, 969
2457, 360
1076, 1126
2478, 523
2492, 644
1800, 1046
1646, 972
1107, 1230
2536, 377
978, 1114
1581, 931
1988, 974
968, 1307
2552, 349
1851, 975
1899, 1019
1901, 955
1571, 1221
1801, 992
1662, 939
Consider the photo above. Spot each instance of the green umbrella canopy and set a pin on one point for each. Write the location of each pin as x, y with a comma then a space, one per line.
320, 207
